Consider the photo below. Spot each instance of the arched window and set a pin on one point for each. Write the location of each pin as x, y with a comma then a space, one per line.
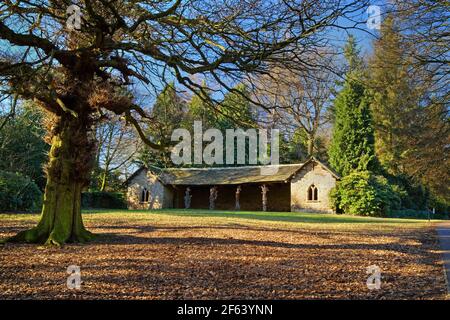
313, 193
144, 195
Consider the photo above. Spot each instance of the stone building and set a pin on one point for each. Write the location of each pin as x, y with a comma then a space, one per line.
294, 187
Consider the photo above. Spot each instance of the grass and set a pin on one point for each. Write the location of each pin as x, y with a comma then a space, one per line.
268, 216
202, 254
295, 217
288, 219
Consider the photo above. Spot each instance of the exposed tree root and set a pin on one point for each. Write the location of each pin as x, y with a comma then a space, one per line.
37, 236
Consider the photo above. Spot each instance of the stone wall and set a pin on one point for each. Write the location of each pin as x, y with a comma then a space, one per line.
160, 196
312, 174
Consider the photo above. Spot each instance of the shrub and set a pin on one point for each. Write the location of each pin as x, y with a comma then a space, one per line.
441, 205
103, 200
413, 195
363, 193
18, 193
417, 214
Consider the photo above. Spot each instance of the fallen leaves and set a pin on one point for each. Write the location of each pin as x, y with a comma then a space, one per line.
190, 258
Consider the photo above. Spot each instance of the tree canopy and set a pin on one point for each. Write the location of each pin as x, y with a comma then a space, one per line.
79, 73
352, 145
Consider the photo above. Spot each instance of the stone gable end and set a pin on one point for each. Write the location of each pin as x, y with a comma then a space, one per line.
160, 196
312, 174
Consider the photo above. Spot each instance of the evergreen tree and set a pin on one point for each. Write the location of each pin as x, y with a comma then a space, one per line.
353, 56
200, 109
411, 124
22, 146
395, 104
352, 145
235, 110
232, 112
168, 114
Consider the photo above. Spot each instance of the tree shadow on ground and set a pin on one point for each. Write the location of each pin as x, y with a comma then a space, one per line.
126, 239
322, 233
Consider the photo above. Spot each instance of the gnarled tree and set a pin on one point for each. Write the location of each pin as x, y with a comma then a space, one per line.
75, 75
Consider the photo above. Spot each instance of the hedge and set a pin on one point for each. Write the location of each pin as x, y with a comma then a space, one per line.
417, 214
103, 200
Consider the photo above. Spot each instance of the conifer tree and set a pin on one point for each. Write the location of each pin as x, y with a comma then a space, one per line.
395, 104
200, 109
168, 114
235, 110
352, 145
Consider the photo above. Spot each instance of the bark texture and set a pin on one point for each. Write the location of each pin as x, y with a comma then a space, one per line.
68, 171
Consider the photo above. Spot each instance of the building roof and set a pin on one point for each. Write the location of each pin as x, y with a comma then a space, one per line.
227, 175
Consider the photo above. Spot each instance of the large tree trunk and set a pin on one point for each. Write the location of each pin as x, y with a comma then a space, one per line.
68, 170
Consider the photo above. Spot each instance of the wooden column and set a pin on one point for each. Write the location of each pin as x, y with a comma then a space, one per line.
264, 190
238, 195
187, 198
212, 197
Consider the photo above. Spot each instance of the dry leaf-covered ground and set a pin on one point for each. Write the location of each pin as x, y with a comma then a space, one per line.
204, 255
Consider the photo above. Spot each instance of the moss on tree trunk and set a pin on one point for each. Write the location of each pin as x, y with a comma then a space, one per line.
68, 170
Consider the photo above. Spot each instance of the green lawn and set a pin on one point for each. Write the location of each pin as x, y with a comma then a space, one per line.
215, 217
302, 218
